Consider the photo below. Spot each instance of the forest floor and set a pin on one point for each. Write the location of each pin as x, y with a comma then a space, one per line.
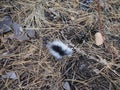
27, 25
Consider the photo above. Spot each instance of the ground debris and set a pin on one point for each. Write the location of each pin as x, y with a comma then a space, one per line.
10, 75
7, 25
26, 27
66, 86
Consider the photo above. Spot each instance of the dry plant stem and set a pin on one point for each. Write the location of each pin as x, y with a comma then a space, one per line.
99, 19
107, 45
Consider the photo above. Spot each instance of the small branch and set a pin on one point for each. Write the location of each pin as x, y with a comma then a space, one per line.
99, 19
106, 43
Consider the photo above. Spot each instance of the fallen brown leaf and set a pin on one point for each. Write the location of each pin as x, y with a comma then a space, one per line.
99, 39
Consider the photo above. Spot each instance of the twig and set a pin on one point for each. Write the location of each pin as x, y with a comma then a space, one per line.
106, 43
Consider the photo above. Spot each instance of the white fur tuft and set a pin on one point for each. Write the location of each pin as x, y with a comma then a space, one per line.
60, 44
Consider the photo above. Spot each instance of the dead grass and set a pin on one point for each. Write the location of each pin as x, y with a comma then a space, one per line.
90, 67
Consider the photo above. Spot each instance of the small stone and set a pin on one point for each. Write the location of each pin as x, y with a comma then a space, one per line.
10, 75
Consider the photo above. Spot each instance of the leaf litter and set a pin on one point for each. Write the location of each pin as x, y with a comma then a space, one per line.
74, 22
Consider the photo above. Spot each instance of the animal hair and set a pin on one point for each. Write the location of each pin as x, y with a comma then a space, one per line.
58, 49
